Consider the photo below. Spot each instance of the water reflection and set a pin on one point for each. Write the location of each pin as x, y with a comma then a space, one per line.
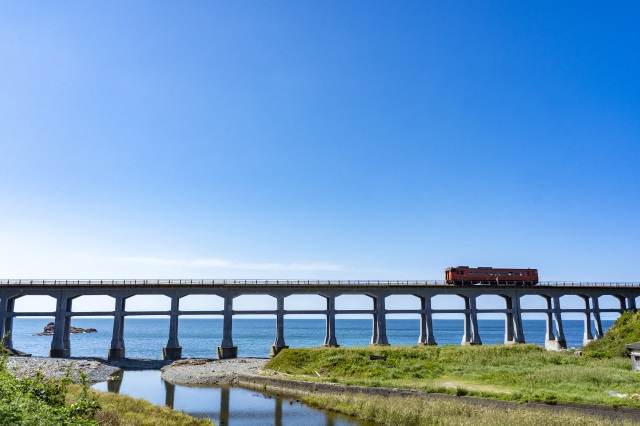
226, 406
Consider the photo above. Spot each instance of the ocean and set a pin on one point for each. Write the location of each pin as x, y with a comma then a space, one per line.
199, 337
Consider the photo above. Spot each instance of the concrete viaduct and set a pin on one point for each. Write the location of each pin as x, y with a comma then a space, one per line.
65, 291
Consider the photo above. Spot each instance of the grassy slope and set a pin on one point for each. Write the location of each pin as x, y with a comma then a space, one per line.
517, 372
624, 331
395, 411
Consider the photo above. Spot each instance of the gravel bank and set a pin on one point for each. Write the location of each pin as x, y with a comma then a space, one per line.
56, 368
211, 372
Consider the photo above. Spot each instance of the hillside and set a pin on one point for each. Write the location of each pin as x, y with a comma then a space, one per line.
624, 331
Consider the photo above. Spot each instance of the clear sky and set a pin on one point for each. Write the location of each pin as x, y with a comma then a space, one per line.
346, 140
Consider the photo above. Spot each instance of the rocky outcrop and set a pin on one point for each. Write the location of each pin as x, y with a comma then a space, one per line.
48, 330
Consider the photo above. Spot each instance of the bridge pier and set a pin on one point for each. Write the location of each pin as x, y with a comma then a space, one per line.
379, 337
7, 305
631, 304
226, 348
330, 337
558, 341
426, 322
279, 343
550, 337
596, 317
116, 351
173, 350
224, 405
169, 394
588, 336
471, 334
513, 331
60, 344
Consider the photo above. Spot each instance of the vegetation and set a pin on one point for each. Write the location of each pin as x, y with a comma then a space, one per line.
121, 410
516, 372
624, 331
36, 401
418, 412
41, 402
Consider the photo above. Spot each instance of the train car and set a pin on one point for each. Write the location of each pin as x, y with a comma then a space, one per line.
464, 275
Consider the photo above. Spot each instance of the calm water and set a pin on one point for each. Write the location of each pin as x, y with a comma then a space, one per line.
226, 406
145, 337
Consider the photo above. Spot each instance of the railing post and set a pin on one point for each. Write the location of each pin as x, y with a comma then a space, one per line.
117, 349
330, 337
279, 343
173, 350
226, 349
60, 345
426, 322
380, 321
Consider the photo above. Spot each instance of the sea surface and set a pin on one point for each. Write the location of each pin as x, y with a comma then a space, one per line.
199, 337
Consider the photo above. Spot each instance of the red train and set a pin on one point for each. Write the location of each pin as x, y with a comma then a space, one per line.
463, 275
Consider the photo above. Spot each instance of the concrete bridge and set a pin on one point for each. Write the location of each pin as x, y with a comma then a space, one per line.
65, 291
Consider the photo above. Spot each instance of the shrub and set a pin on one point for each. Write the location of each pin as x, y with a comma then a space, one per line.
37, 401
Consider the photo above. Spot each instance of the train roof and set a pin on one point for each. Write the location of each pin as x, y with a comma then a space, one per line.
486, 267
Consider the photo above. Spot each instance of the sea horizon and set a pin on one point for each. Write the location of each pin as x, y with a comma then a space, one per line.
199, 337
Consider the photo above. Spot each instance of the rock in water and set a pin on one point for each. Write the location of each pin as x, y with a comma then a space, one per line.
48, 330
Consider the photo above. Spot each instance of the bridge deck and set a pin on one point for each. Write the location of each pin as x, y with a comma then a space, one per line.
289, 283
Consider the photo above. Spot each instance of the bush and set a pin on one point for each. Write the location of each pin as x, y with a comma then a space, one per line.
40, 402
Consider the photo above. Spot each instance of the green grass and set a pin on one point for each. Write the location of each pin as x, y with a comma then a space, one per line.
516, 372
421, 412
624, 331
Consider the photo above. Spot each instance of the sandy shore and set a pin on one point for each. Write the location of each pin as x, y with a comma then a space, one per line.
211, 372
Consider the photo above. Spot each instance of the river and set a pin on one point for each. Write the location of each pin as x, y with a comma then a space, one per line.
227, 406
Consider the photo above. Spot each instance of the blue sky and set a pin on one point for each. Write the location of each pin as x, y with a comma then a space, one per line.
352, 140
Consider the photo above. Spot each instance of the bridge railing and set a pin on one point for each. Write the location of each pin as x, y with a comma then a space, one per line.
286, 282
